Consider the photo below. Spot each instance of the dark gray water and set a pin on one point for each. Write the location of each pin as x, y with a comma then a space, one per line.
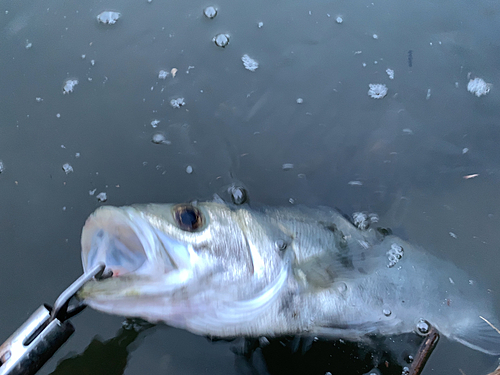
404, 156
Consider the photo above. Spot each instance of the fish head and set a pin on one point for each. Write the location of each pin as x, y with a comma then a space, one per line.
176, 262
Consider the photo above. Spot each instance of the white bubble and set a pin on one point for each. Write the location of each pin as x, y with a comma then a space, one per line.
38, 99
58, 115
339, 19
159, 138
300, 100
189, 169
155, 123
108, 17
28, 44
92, 62
478, 87
67, 168
390, 73
375, 36
465, 150
395, 253
177, 103
210, 12
287, 166
355, 183
249, 63
69, 85
377, 90
102, 197
163, 74
77, 155
221, 40
360, 220
428, 96
2, 166
260, 25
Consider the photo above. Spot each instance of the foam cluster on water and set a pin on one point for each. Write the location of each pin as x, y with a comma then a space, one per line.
177, 103
377, 90
108, 17
69, 85
394, 255
478, 87
249, 63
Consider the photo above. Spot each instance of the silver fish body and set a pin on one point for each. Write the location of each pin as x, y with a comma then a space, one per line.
226, 271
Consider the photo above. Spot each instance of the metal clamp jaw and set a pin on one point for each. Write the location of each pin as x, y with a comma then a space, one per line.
45, 331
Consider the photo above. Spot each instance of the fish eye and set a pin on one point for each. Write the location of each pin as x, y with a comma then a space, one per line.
188, 217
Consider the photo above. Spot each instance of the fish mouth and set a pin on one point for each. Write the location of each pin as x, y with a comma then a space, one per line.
138, 254
118, 239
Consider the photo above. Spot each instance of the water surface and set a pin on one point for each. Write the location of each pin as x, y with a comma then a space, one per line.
404, 156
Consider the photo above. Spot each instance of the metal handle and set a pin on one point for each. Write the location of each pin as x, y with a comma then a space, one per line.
27, 350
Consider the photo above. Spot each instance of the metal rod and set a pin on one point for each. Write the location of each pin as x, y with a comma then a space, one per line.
424, 352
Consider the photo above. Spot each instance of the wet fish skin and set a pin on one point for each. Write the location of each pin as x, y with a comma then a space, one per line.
277, 271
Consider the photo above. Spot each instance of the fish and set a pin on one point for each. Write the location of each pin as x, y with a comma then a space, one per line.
225, 271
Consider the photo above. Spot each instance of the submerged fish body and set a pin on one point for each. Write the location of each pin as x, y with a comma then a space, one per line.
226, 271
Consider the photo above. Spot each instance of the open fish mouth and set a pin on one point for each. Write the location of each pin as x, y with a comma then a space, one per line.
134, 251
118, 239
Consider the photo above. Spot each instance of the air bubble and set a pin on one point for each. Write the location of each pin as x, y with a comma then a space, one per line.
102, 197
360, 220
287, 166
249, 63
155, 123
405, 371
189, 169
478, 87
162, 74
177, 103
423, 327
281, 245
339, 19
341, 287
377, 90
108, 17
67, 168
210, 12
69, 85
387, 312
394, 255
238, 194
300, 100
221, 40
160, 139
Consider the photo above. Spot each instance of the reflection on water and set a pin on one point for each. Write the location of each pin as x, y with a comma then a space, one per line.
278, 356
106, 357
